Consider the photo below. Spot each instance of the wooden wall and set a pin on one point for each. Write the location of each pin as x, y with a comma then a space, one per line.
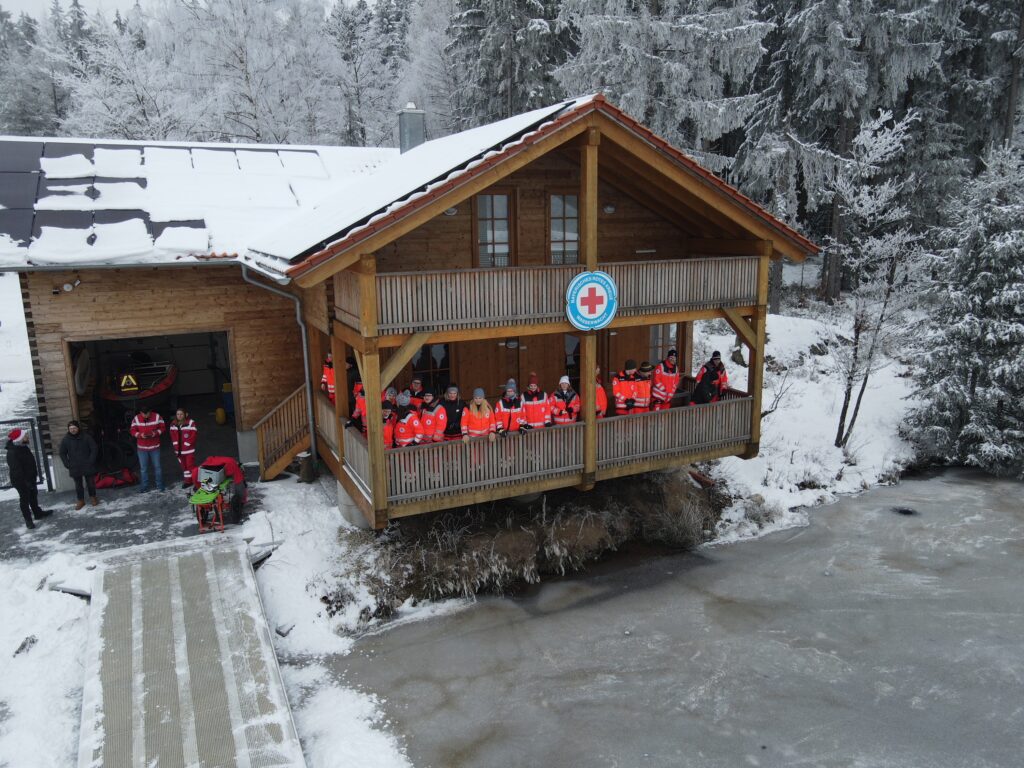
264, 339
447, 242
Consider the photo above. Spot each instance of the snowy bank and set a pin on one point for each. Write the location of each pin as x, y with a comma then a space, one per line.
799, 465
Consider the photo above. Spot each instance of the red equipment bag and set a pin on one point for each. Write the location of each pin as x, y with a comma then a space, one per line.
116, 479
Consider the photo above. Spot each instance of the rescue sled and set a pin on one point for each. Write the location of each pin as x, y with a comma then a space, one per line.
221, 494
147, 385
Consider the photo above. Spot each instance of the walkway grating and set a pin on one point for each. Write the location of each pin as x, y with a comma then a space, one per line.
181, 671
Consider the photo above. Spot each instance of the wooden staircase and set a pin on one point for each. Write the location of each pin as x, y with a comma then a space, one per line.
282, 434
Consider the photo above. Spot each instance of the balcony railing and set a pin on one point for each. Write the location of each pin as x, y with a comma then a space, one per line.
326, 421
479, 298
454, 468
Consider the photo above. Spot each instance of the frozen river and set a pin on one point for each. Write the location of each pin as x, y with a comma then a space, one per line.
870, 638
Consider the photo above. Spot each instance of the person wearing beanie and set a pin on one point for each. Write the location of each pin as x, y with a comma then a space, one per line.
391, 395
388, 417
508, 411
24, 472
664, 383
357, 414
408, 428
416, 392
624, 389
718, 380
536, 408
642, 388
147, 427
78, 453
564, 403
453, 411
478, 418
183, 433
433, 418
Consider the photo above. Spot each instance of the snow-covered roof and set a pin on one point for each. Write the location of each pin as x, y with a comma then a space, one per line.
393, 185
77, 202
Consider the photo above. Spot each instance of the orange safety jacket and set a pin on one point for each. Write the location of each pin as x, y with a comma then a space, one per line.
641, 394
433, 419
389, 432
408, 431
416, 399
565, 406
723, 380
623, 389
509, 415
478, 424
602, 400
665, 382
536, 408
327, 381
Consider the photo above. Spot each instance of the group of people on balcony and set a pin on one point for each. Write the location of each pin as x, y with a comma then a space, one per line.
416, 415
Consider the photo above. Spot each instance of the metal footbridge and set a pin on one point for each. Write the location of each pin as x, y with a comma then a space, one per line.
180, 668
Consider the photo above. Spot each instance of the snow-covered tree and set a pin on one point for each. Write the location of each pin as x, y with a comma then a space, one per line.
880, 250
682, 67
972, 380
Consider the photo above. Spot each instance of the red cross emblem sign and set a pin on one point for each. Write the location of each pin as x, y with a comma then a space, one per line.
591, 300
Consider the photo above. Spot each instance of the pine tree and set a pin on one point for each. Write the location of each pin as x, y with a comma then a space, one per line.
972, 380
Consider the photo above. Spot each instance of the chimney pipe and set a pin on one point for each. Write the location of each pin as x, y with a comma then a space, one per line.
411, 127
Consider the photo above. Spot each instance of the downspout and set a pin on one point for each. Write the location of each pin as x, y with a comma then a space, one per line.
305, 352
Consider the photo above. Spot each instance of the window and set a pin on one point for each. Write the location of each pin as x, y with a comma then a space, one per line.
565, 229
663, 338
572, 360
433, 365
494, 230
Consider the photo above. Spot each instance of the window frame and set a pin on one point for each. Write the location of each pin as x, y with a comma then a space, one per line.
513, 226
548, 242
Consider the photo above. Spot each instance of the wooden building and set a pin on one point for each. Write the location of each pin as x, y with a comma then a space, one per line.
451, 262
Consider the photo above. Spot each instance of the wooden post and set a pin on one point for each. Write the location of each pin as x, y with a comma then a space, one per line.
684, 347
340, 391
368, 295
588, 358
375, 439
755, 378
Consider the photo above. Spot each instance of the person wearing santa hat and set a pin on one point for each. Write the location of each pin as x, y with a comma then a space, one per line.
24, 472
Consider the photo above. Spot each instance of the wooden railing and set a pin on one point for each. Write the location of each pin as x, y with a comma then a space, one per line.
357, 460
446, 469
282, 433
630, 439
478, 298
326, 421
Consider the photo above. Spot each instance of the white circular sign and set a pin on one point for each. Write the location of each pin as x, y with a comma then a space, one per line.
591, 300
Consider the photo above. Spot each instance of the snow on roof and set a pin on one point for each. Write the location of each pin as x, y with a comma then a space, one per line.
410, 175
80, 202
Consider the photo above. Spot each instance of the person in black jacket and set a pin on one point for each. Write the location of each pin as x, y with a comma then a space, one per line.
22, 464
78, 452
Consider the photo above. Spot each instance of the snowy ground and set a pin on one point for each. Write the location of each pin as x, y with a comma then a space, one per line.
40, 692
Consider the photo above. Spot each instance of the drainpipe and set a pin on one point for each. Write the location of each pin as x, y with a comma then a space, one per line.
305, 352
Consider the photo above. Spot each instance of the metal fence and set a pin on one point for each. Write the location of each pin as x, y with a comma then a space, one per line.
35, 443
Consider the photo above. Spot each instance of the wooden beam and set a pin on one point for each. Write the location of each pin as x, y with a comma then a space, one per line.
349, 335
484, 494
588, 199
341, 392
402, 356
375, 434
368, 295
740, 325
684, 347
471, 186
356, 494
755, 377
698, 187
665, 462
588, 386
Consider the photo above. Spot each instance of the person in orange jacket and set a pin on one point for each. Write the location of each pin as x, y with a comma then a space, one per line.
535, 405
408, 428
716, 368
624, 389
642, 388
600, 397
508, 411
433, 418
564, 402
664, 382
327, 379
416, 393
478, 418
389, 425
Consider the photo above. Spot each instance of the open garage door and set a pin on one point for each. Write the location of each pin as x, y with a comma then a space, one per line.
113, 378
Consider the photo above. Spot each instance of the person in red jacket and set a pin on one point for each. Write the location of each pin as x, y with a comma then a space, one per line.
416, 393
642, 388
389, 424
508, 411
408, 428
478, 418
719, 381
147, 427
433, 418
327, 378
564, 403
535, 405
600, 397
664, 383
183, 434
624, 389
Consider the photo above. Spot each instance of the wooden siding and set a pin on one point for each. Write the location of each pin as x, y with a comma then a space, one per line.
264, 339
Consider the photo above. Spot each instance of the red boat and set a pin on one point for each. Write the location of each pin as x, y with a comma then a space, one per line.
147, 384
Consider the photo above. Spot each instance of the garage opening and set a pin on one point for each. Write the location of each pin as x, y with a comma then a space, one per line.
113, 378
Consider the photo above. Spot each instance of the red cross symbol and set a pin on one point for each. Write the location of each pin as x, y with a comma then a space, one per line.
592, 301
